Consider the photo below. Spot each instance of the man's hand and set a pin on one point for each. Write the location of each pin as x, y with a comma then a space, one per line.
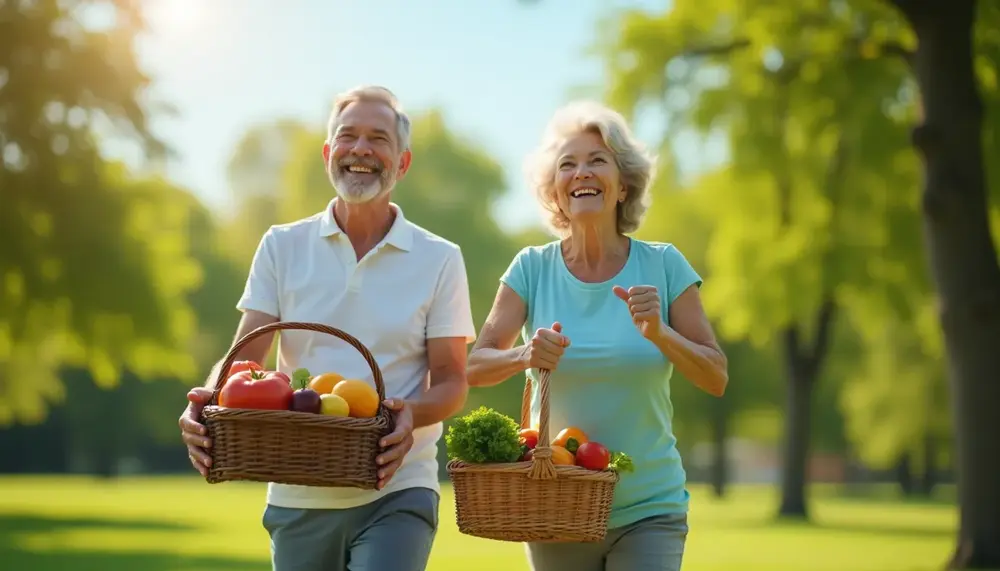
397, 444
193, 433
644, 305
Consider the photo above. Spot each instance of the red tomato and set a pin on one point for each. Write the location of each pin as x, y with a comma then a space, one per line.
283, 376
240, 366
528, 437
593, 456
254, 389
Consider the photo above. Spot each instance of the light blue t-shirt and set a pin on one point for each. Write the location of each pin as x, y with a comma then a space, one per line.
611, 382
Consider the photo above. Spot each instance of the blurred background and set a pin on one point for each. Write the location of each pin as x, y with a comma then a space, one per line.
146, 146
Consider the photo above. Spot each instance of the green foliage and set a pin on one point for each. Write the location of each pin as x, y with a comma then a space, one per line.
300, 378
95, 264
817, 197
621, 462
483, 436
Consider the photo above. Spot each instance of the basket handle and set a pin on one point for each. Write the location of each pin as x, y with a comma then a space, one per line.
302, 326
541, 458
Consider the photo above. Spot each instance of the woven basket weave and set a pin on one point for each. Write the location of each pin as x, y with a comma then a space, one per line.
534, 501
289, 447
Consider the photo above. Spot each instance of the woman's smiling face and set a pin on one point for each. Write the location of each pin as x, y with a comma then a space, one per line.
588, 183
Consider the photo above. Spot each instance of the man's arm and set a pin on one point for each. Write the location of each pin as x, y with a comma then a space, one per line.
449, 330
446, 358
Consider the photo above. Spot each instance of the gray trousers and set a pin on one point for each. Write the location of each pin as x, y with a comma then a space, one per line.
394, 533
652, 544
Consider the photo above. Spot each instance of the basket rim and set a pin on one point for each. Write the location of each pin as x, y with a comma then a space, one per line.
523, 468
291, 418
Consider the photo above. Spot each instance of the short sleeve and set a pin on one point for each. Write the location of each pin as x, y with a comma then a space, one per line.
261, 290
450, 314
517, 274
680, 274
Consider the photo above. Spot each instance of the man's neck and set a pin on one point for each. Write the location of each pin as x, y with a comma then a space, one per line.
365, 224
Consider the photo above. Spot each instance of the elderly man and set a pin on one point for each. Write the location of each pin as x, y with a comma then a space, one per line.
362, 267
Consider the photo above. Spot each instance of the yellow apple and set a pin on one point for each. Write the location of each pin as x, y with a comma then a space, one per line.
333, 405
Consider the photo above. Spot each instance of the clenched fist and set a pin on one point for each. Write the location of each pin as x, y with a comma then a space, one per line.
644, 305
546, 348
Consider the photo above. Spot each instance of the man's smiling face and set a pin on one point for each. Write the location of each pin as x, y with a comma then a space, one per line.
363, 159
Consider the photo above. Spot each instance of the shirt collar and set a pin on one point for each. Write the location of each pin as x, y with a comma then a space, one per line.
400, 234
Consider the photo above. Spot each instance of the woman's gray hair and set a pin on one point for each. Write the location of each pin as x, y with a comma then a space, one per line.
636, 165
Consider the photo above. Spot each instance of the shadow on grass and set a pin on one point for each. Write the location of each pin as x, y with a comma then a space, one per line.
15, 556
860, 527
944, 495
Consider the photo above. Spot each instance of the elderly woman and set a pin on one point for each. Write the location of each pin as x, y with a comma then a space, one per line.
610, 316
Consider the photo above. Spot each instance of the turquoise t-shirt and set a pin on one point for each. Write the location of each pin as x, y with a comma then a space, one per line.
611, 382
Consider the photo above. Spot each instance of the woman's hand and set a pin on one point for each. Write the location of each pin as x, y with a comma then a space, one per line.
690, 344
644, 305
546, 348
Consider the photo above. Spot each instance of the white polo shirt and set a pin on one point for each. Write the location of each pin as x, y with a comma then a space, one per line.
411, 287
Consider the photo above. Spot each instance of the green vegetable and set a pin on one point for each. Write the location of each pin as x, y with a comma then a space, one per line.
483, 436
621, 462
300, 379
572, 444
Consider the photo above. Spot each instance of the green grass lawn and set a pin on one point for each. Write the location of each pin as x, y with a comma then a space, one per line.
161, 524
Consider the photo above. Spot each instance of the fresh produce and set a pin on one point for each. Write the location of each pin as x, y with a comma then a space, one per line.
621, 462
240, 366
324, 383
258, 390
593, 456
570, 438
483, 436
562, 457
528, 437
333, 405
304, 399
360, 396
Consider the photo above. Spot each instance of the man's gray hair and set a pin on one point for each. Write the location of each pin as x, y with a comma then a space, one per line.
373, 93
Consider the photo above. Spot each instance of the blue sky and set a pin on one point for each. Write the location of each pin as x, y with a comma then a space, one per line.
498, 69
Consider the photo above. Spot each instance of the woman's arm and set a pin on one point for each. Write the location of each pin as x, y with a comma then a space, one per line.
691, 345
494, 359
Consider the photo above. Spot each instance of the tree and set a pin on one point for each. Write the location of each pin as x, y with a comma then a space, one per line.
961, 251
805, 152
94, 260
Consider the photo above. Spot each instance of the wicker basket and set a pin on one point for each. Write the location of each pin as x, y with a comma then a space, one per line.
290, 447
534, 501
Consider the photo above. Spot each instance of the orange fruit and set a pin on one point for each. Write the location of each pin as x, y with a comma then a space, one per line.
562, 457
323, 384
567, 434
360, 396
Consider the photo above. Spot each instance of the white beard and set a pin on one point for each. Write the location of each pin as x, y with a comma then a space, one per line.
356, 192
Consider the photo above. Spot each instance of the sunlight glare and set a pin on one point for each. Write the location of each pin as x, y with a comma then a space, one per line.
174, 19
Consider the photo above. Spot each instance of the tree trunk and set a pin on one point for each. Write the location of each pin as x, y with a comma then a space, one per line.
798, 423
928, 477
963, 261
904, 475
720, 436
802, 366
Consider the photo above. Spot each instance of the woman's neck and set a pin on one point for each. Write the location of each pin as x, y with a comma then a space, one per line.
595, 254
